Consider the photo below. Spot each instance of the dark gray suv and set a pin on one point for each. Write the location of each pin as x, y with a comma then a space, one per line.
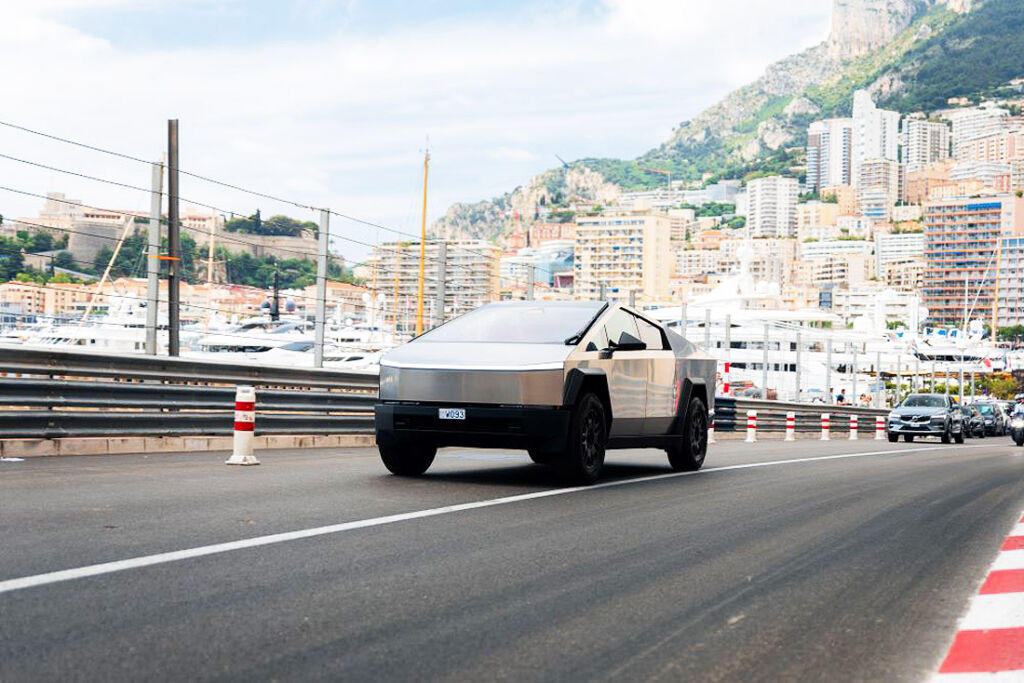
926, 415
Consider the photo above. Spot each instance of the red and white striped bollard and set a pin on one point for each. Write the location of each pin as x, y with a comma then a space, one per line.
879, 428
751, 426
853, 427
725, 379
826, 425
790, 426
245, 424
711, 430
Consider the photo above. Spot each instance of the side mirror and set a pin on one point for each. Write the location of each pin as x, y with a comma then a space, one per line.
628, 342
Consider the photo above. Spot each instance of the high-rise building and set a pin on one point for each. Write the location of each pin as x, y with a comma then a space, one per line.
974, 122
771, 206
876, 133
622, 252
961, 248
924, 143
879, 187
829, 150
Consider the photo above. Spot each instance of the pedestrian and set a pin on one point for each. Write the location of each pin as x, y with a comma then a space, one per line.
841, 397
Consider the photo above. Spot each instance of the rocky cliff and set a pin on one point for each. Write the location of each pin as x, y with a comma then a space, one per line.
756, 127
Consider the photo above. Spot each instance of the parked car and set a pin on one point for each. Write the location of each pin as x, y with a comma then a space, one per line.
995, 419
563, 380
1017, 424
926, 415
974, 423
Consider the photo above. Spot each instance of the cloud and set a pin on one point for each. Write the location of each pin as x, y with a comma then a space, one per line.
341, 120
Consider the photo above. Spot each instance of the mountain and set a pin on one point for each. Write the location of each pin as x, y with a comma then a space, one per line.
911, 54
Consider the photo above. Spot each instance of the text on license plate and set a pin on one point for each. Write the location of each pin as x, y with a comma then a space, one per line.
451, 414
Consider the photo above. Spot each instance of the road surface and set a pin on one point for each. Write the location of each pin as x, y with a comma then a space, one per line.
838, 561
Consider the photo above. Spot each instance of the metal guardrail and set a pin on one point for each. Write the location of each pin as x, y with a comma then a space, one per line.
61, 393
731, 415
71, 393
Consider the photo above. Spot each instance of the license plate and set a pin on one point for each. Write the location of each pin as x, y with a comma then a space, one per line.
451, 414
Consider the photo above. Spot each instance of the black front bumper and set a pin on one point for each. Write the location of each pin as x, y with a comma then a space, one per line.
485, 426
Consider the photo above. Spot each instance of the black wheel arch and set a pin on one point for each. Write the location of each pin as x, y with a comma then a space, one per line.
588, 380
692, 387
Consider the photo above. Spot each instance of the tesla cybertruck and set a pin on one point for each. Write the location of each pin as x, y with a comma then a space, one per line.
563, 380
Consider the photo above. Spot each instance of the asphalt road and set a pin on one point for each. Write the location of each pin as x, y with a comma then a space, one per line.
771, 564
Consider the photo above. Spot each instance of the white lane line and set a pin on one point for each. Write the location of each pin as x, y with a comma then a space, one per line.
189, 553
1009, 559
999, 610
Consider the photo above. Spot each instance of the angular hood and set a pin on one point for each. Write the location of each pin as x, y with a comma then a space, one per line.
477, 356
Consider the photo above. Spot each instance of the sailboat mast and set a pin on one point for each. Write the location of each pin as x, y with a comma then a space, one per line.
423, 246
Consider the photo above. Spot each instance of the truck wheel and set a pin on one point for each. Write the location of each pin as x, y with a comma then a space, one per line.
405, 459
583, 458
687, 453
908, 437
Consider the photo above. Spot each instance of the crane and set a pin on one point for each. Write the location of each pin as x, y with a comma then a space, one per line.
660, 171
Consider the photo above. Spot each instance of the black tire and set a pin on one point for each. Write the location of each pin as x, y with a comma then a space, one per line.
947, 435
583, 458
407, 460
541, 457
893, 438
1019, 440
908, 437
688, 452
959, 438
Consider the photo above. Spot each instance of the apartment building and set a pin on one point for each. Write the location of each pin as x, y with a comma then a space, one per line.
471, 269
690, 262
974, 122
879, 187
812, 216
897, 248
875, 133
962, 239
622, 252
771, 206
1000, 147
924, 143
829, 153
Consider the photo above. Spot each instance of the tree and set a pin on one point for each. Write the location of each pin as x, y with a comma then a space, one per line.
11, 259
64, 259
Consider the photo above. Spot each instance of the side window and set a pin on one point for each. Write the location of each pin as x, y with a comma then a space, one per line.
650, 335
620, 322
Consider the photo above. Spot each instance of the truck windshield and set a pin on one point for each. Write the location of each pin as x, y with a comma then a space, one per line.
540, 323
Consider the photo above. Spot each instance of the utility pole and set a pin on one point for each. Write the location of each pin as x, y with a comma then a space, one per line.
828, 371
764, 369
153, 259
423, 246
173, 241
321, 289
275, 305
796, 374
531, 276
442, 264
879, 384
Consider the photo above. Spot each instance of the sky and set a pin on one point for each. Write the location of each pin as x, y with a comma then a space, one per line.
332, 103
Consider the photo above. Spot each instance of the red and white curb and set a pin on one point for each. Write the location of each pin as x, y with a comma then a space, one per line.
989, 645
